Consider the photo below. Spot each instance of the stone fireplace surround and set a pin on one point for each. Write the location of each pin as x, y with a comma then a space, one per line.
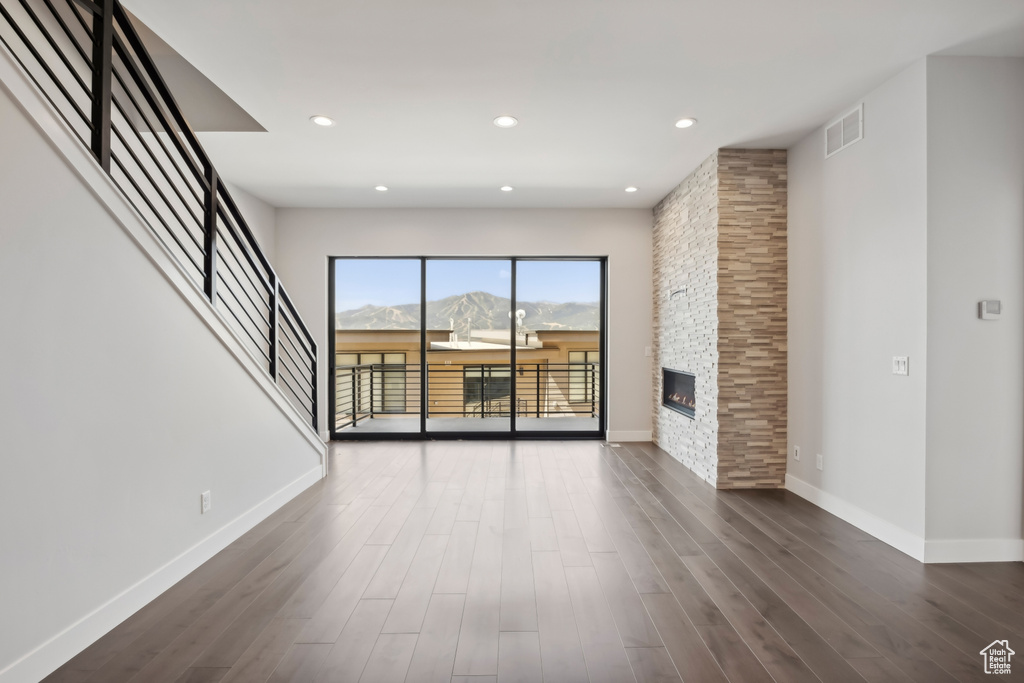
720, 313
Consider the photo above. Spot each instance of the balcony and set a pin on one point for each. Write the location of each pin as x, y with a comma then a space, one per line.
383, 398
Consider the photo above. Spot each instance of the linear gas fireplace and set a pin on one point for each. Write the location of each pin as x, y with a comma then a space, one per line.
678, 392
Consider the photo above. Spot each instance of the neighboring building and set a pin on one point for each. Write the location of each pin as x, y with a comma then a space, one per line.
557, 373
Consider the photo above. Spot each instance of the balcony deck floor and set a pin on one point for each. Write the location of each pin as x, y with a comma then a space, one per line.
411, 425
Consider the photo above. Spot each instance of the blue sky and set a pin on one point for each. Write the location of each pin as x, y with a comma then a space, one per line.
381, 282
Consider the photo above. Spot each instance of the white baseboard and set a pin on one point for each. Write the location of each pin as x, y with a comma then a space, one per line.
975, 550
931, 552
629, 436
887, 532
42, 661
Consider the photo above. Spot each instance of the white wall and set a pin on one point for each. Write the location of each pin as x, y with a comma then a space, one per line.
306, 237
259, 216
122, 399
975, 252
857, 297
893, 242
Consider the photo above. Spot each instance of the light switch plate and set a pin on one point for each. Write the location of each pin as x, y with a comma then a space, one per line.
901, 365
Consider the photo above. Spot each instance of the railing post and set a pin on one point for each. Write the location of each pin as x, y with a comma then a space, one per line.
536, 368
210, 237
355, 400
275, 289
315, 384
102, 75
591, 391
371, 391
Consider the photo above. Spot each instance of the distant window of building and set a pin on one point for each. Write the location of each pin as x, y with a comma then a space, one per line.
584, 379
487, 389
386, 384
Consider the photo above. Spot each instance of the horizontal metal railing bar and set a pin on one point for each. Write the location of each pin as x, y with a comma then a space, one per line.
260, 304
241, 326
69, 33
155, 130
149, 67
135, 73
369, 397
297, 318
89, 5
149, 124
294, 344
297, 367
56, 49
241, 305
57, 108
76, 9
295, 391
297, 394
262, 291
115, 159
298, 397
167, 202
49, 72
260, 308
293, 336
249, 244
142, 167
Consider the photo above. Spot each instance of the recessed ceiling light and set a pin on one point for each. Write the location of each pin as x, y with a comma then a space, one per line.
507, 188
381, 188
322, 120
506, 121
685, 123
630, 189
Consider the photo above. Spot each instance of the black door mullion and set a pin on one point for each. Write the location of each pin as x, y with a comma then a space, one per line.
424, 397
512, 353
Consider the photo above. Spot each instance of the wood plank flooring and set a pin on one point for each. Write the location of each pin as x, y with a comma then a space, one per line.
469, 562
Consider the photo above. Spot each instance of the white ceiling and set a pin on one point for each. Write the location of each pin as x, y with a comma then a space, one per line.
596, 85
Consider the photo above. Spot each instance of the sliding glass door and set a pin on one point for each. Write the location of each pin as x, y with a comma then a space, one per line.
377, 346
558, 363
438, 347
468, 373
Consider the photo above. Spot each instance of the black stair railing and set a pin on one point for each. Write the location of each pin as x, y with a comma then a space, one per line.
87, 59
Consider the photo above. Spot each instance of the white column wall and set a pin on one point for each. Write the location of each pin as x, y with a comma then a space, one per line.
975, 252
858, 297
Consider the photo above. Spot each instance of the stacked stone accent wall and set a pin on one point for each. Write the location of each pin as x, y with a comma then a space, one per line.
721, 238
686, 324
752, 283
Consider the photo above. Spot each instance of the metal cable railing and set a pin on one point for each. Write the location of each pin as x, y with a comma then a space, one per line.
542, 390
86, 58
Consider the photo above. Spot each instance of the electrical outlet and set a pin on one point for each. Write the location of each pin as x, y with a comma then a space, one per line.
205, 500
647, 350
900, 365
820, 461
796, 453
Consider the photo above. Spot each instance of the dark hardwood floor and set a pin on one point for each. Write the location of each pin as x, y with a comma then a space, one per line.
557, 561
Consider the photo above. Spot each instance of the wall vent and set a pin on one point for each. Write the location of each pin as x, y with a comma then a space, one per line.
843, 132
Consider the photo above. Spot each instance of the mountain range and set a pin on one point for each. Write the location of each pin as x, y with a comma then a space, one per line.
476, 310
